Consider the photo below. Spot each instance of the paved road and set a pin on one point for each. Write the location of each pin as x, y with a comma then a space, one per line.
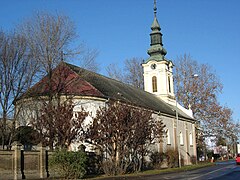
222, 171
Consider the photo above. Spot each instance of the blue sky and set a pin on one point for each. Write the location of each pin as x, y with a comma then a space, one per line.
208, 30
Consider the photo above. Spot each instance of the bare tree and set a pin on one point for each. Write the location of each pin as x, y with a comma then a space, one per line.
132, 73
88, 59
201, 92
51, 39
123, 133
115, 72
38, 46
224, 125
17, 73
48, 36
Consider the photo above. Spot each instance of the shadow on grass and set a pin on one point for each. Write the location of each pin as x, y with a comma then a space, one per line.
153, 172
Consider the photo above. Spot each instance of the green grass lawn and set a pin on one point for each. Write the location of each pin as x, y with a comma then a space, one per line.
160, 171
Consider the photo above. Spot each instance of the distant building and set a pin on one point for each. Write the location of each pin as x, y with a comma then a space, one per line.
92, 90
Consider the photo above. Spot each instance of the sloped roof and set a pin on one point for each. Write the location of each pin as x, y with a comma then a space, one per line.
73, 80
64, 81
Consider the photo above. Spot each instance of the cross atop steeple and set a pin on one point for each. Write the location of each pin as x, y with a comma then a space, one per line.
156, 50
155, 8
155, 24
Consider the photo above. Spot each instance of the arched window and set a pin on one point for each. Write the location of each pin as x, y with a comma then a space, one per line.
154, 83
191, 139
168, 137
181, 138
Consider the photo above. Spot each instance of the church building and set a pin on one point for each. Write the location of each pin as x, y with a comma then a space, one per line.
92, 90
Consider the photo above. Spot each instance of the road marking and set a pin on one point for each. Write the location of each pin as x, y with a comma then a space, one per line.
209, 172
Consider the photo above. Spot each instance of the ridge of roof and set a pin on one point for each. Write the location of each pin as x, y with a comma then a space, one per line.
118, 90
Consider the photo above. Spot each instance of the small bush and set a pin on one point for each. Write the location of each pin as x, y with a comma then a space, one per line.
26, 135
109, 168
156, 159
193, 159
172, 157
94, 164
69, 164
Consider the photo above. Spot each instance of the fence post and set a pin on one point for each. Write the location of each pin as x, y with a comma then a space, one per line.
42, 161
17, 163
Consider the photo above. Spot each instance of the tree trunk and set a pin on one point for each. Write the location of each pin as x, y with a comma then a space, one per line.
4, 122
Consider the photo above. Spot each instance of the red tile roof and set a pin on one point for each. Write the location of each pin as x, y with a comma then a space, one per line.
63, 81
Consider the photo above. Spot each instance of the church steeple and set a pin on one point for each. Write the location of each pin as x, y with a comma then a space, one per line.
156, 50
157, 70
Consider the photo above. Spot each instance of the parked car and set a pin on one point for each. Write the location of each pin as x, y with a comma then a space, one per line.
238, 159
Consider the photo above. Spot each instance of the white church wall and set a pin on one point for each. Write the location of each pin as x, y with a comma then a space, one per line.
93, 104
186, 149
168, 143
25, 111
90, 105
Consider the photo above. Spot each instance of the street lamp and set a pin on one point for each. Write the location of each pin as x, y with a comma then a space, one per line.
178, 138
177, 128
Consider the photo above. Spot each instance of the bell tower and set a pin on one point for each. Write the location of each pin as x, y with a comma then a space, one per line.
157, 70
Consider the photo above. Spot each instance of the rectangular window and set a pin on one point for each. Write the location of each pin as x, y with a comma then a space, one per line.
181, 138
168, 137
191, 139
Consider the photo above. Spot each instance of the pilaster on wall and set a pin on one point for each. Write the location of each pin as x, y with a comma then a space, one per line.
43, 170
18, 164
175, 139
